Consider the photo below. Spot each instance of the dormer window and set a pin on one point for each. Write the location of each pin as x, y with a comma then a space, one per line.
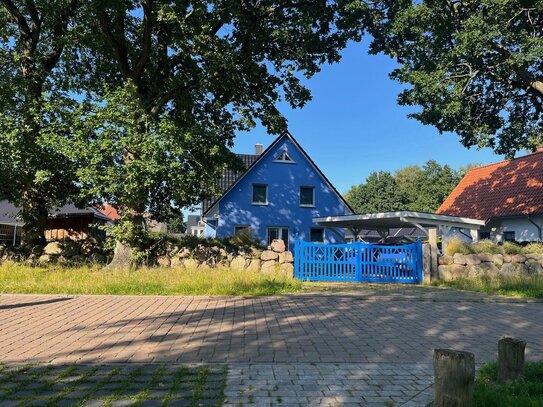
283, 158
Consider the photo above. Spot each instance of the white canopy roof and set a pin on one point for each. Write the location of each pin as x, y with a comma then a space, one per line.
399, 219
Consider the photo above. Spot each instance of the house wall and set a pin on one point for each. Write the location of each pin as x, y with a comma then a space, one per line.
525, 231
283, 209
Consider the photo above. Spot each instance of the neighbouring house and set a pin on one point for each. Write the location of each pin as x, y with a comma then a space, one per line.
276, 197
507, 195
66, 222
195, 226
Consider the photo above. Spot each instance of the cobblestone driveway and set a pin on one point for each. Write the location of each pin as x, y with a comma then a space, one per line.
318, 336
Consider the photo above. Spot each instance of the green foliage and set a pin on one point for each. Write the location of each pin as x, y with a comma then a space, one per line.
474, 67
511, 248
522, 393
379, 193
35, 108
456, 245
411, 188
535, 248
486, 246
513, 286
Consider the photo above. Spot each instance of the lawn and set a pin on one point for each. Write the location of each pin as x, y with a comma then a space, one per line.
518, 286
54, 279
107, 385
522, 393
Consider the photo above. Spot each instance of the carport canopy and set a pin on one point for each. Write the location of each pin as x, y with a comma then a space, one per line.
384, 221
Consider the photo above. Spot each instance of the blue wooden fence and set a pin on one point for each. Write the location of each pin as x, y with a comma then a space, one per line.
358, 262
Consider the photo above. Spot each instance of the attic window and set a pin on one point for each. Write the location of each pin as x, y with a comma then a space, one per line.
283, 158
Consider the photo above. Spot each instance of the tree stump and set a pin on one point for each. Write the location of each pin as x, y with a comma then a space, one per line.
454, 375
510, 359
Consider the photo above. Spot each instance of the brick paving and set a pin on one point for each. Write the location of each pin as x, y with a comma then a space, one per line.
325, 336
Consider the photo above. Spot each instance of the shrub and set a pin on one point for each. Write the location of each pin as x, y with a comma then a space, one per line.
533, 248
511, 248
486, 246
456, 245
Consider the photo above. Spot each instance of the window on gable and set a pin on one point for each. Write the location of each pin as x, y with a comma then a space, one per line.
260, 194
284, 158
307, 196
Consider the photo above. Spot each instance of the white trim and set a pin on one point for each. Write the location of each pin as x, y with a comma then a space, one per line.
253, 195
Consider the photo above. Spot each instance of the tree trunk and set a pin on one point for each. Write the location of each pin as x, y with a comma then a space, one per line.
122, 257
34, 213
454, 375
510, 359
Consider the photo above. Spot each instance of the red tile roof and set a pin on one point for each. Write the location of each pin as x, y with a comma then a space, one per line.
109, 211
507, 188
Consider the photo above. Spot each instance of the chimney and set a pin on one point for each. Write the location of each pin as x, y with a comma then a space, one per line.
258, 149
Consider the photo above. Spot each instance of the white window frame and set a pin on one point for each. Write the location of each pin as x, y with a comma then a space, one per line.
300, 197
280, 158
253, 194
279, 235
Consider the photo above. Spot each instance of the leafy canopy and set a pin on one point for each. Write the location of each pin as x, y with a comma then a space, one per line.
409, 188
473, 67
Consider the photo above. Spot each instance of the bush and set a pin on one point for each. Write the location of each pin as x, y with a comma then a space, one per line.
486, 246
511, 248
456, 245
533, 248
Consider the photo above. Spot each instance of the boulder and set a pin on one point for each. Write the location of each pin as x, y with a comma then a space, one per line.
87, 248
45, 258
176, 261
190, 264
184, 253
497, 259
482, 270
269, 255
445, 259
472, 259
534, 267
534, 256
286, 257
278, 245
164, 261
459, 259
451, 272
2, 249
53, 248
254, 265
507, 258
62, 260
97, 258
287, 269
486, 257
518, 258
256, 253
238, 263
513, 269
70, 249
268, 266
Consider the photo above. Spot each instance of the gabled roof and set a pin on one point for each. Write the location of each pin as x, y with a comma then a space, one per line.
508, 188
229, 177
9, 213
109, 211
261, 156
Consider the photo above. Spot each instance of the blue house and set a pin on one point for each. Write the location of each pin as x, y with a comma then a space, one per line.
276, 197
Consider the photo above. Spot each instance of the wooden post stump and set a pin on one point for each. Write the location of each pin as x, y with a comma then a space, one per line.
510, 359
454, 375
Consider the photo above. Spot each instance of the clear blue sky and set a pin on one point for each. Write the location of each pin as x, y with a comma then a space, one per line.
353, 125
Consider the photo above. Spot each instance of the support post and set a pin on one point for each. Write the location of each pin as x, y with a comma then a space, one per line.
14, 235
454, 375
510, 359
432, 240
426, 264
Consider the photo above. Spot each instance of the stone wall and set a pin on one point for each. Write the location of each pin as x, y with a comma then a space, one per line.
169, 254
488, 265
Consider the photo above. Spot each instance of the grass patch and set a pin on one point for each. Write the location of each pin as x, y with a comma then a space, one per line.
522, 393
456, 245
513, 286
55, 279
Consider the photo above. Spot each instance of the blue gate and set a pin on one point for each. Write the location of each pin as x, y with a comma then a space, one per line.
358, 262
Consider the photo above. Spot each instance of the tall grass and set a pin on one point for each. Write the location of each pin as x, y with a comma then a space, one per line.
514, 286
456, 245
16, 278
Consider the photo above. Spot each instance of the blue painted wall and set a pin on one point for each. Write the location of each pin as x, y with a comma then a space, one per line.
283, 210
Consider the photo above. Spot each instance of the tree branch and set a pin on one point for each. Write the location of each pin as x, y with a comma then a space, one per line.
119, 48
18, 18
147, 31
